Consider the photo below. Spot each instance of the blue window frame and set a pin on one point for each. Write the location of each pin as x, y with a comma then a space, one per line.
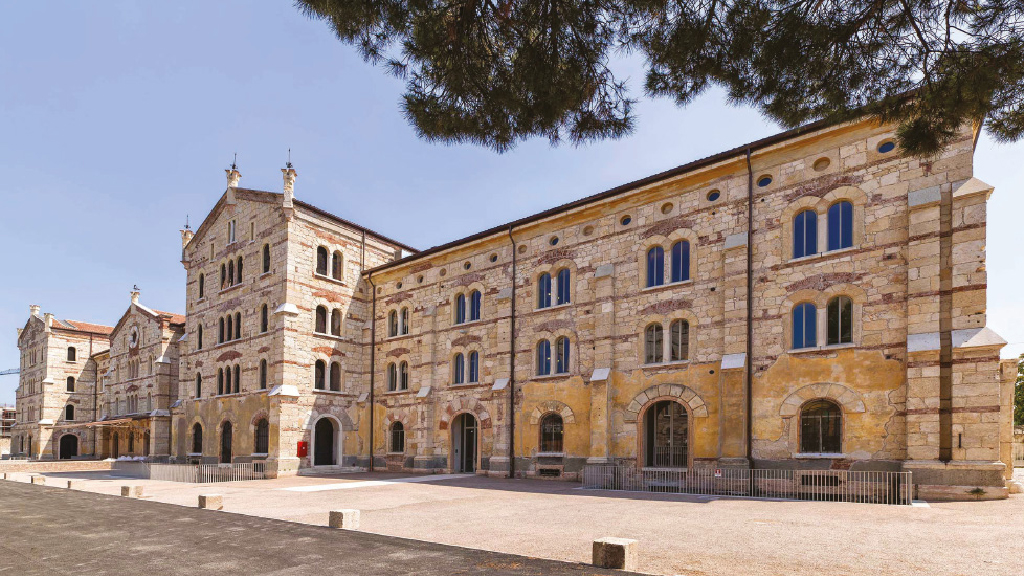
460, 308
681, 261
562, 355
474, 305
655, 266
805, 326
474, 366
544, 290
458, 369
805, 234
840, 225
564, 276
544, 358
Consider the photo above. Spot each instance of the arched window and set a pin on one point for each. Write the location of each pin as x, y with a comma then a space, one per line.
223, 276
71, 384
336, 322
392, 377
220, 381
319, 375
397, 437
321, 320
679, 340
654, 344
805, 330
544, 358
393, 323
229, 333
69, 412
544, 290
403, 375
231, 272
263, 374
220, 332
840, 225
264, 318
266, 258
459, 369
335, 376
199, 338
199, 385
475, 301
238, 273
839, 316
202, 285
562, 355
460, 309
474, 366
321, 260
71, 354
336, 268
551, 433
238, 379
227, 380
563, 296
680, 261
197, 439
238, 325
655, 266
261, 437
805, 234
821, 427
403, 321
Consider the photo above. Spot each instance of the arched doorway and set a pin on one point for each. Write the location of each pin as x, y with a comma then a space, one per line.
464, 443
225, 444
68, 447
666, 435
114, 451
324, 436
145, 443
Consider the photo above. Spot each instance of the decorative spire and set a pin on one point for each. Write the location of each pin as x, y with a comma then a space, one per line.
233, 174
289, 181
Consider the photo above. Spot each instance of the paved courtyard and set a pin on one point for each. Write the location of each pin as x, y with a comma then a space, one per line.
677, 534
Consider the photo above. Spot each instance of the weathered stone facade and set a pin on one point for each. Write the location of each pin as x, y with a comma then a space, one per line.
811, 300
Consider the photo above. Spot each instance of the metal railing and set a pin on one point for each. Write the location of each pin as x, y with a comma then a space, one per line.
813, 485
192, 473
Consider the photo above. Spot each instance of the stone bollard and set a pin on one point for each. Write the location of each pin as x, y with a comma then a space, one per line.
37, 479
3, 475
74, 484
344, 519
616, 553
211, 501
131, 491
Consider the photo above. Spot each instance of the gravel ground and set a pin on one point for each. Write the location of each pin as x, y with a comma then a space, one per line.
677, 534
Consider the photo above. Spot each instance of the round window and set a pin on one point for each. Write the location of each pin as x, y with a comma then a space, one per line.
764, 181
714, 195
625, 220
494, 257
466, 266
553, 241
887, 146
821, 164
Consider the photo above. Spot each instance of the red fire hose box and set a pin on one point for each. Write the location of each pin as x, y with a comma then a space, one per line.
303, 449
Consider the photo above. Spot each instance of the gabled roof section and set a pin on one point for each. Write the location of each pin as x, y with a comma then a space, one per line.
277, 198
165, 317
78, 326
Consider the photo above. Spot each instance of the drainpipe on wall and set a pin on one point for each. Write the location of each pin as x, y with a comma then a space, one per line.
373, 359
95, 403
512, 368
750, 311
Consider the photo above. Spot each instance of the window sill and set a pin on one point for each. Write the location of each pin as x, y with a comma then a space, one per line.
326, 278
819, 455
666, 286
560, 376
550, 455
229, 288
464, 384
397, 392
470, 323
259, 454
396, 453
332, 392
396, 337
823, 348
265, 274
668, 364
820, 255
553, 307
325, 335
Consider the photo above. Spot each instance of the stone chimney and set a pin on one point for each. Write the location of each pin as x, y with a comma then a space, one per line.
34, 310
135, 296
233, 175
48, 321
186, 236
289, 184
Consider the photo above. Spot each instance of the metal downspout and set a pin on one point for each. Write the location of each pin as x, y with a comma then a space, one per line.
512, 368
373, 358
750, 312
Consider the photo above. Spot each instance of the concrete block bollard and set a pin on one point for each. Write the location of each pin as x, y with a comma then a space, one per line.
131, 491
211, 501
616, 553
74, 484
344, 519
37, 479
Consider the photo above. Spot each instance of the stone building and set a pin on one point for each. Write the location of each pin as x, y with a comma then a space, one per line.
56, 386
812, 300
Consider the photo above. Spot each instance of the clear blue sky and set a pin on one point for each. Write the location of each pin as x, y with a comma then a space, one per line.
117, 120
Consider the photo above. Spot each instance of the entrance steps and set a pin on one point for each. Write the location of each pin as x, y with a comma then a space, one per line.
325, 470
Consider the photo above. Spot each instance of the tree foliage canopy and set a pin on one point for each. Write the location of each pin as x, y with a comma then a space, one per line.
496, 72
